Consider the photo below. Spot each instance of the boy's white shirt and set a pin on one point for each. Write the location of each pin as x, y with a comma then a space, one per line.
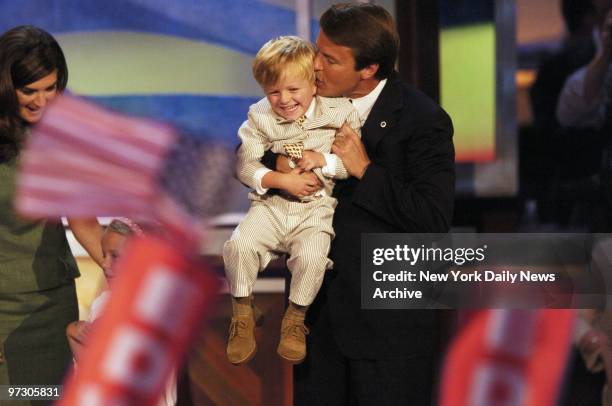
363, 105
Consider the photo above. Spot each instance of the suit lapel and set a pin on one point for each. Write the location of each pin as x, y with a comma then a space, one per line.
382, 117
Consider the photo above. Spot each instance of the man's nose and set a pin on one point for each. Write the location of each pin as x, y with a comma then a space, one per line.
317, 63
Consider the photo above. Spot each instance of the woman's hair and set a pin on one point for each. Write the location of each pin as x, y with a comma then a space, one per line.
27, 54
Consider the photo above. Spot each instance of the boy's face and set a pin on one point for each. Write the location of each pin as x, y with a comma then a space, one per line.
291, 96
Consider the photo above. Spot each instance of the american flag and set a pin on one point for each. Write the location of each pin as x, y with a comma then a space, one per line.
82, 160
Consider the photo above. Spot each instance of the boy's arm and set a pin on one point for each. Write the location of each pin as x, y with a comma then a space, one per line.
76, 332
249, 169
254, 174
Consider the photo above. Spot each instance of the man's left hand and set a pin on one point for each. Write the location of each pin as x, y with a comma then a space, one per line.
350, 149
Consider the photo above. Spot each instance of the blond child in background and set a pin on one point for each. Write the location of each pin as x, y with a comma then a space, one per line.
114, 238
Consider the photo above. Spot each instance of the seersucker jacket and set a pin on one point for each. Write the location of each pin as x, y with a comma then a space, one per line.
264, 130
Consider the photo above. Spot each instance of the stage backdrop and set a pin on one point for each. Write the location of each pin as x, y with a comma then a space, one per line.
188, 62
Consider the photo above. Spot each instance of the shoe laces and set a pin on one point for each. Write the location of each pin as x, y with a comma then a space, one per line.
296, 330
237, 328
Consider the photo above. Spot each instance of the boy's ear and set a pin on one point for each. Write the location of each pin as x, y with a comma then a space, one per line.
369, 71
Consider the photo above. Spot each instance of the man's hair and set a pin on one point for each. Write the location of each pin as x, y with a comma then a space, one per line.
281, 55
368, 30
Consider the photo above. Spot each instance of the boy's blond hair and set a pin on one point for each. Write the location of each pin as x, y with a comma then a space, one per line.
282, 55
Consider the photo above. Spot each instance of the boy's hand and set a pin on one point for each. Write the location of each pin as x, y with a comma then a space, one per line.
78, 330
300, 184
311, 160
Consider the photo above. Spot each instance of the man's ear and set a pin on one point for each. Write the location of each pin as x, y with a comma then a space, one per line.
369, 71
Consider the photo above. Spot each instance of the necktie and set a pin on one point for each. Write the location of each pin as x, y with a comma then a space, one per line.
294, 150
300, 121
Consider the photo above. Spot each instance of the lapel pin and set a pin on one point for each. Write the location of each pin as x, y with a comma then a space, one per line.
383, 124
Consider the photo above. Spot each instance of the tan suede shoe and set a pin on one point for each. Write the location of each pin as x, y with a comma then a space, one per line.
292, 345
241, 345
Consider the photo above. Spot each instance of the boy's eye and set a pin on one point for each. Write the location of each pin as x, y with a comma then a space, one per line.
27, 91
51, 88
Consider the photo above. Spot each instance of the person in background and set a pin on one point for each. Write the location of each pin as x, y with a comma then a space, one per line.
37, 269
114, 239
556, 158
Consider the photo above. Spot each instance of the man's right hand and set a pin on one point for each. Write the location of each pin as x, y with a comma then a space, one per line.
299, 183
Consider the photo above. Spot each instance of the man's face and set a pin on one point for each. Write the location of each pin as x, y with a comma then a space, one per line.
335, 69
291, 96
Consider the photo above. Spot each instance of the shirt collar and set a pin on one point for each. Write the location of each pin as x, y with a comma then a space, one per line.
309, 113
364, 104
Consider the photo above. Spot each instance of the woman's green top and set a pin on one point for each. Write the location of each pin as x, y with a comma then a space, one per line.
34, 255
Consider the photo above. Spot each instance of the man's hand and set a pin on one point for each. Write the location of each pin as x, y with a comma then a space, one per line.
311, 160
350, 149
299, 183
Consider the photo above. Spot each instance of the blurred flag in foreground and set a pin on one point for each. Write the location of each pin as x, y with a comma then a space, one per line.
84, 161
159, 300
508, 358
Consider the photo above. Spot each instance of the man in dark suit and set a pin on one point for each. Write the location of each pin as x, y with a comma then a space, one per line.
402, 182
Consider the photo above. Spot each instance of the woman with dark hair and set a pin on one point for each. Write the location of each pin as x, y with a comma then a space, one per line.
37, 269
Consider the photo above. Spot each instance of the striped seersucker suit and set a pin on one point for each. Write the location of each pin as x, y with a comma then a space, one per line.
280, 224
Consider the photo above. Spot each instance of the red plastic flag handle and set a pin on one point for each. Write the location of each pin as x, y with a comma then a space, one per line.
158, 301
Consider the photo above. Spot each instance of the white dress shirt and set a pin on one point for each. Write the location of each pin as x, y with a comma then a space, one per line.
364, 104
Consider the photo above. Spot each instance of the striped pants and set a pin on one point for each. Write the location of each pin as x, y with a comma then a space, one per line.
276, 225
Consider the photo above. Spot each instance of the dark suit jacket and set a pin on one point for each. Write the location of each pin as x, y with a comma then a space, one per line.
408, 187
